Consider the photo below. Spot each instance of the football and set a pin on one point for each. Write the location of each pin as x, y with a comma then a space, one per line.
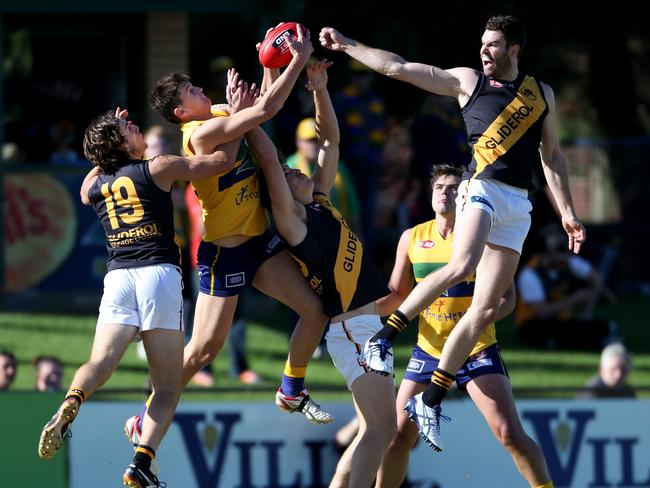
274, 51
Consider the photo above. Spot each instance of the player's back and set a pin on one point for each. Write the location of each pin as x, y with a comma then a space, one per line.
137, 217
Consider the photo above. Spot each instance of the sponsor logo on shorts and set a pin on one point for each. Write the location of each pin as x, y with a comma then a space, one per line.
426, 244
415, 365
275, 240
477, 199
480, 363
237, 279
360, 361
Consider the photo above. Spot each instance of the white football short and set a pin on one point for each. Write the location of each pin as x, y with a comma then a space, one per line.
508, 206
345, 342
148, 297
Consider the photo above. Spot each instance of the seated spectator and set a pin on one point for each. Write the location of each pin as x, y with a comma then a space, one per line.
615, 366
49, 373
557, 292
8, 369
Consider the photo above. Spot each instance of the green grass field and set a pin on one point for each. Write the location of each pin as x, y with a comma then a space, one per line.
69, 337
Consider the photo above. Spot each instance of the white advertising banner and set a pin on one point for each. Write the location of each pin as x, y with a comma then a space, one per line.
593, 444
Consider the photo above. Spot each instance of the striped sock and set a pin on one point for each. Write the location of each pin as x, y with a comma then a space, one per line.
293, 379
77, 394
440, 383
395, 324
143, 456
398, 320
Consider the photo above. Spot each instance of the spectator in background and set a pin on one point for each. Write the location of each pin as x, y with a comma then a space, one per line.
48, 372
557, 292
8, 369
362, 117
62, 135
344, 195
615, 366
157, 141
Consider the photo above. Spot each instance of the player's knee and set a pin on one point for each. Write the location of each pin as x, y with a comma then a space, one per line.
484, 316
380, 435
462, 267
203, 354
508, 436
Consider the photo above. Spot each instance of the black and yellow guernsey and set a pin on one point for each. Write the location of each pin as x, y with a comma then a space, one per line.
137, 217
504, 127
332, 259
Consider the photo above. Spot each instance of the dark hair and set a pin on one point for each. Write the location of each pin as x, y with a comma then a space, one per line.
104, 143
165, 96
439, 170
513, 30
10, 355
36, 362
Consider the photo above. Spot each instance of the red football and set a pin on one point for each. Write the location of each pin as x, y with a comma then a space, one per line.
274, 51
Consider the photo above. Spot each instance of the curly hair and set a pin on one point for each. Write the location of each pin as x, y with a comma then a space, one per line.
165, 96
104, 143
439, 170
513, 29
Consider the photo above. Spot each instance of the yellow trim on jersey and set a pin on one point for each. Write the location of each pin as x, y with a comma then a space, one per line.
511, 124
229, 201
348, 257
428, 251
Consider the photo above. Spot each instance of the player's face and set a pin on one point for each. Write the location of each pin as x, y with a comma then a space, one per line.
301, 185
193, 100
133, 140
443, 194
494, 54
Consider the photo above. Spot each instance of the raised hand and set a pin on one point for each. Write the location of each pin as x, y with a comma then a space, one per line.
121, 113
301, 47
333, 39
317, 75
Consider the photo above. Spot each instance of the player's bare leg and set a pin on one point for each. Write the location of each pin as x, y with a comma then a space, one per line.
374, 394
213, 317
109, 345
494, 275
492, 394
394, 465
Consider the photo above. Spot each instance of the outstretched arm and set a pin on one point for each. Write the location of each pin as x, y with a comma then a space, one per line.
456, 82
555, 171
284, 208
327, 128
219, 130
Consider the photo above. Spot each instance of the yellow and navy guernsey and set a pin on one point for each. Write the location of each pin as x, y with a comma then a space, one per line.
332, 259
428, 251
504, 127
137, 217
230, 201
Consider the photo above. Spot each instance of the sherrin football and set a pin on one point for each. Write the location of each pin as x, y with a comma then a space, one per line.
274, 51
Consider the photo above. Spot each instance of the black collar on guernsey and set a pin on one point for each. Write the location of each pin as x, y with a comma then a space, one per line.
509, 84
